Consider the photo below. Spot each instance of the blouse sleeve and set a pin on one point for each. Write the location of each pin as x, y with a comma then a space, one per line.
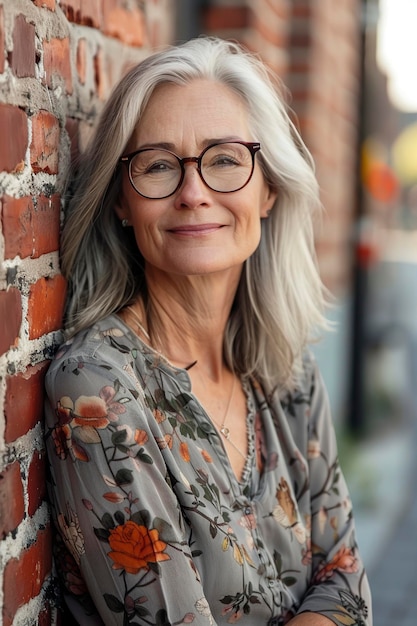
339, 588
124, 547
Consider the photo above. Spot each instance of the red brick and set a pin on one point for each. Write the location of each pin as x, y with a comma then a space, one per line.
47, 4
45, 143
82, 60
92, 12
72, 128
219, 18
2, 42
10, 318
46, 305
101, 74
17, 227
45, 617
30, 230
36, 483
14, 138
45, 224
57, 62
12, 506
72, 10
22, 57
23, 407
30, 570
126, 25
85, 12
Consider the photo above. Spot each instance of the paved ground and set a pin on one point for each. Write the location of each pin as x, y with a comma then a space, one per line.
386, 519
394, 577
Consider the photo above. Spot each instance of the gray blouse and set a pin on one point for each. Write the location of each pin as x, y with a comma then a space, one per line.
153, 526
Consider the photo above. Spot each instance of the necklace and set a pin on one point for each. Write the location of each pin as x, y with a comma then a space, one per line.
223, 429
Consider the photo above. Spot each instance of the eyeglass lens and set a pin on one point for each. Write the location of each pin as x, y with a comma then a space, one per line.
157, 173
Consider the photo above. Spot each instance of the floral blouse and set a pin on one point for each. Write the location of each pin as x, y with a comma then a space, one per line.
154, 528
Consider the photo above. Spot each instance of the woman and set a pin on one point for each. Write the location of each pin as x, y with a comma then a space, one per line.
194, 468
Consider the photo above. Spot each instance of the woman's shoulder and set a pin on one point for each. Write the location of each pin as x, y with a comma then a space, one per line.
298, 399
108, 340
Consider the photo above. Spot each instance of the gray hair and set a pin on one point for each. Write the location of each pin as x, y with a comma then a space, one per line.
280, 298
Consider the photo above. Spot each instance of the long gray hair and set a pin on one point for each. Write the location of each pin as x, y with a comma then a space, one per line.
280, 298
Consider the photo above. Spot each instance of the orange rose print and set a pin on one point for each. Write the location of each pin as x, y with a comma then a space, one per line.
343, 560
133, 547
90, 411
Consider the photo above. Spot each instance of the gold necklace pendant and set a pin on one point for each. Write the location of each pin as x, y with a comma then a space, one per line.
225, 432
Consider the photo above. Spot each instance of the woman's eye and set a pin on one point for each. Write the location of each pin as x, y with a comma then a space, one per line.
159, 167
224, 161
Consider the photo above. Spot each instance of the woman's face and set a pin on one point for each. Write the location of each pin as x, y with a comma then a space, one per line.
196, 230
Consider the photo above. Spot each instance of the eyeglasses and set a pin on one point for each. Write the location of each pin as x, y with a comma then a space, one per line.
156, 173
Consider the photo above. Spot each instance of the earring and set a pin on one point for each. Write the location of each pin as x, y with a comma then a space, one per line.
125, 222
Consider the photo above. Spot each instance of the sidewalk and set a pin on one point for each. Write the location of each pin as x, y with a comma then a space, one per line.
384, 493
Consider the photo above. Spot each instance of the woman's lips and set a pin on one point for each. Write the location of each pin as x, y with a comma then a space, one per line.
195, 229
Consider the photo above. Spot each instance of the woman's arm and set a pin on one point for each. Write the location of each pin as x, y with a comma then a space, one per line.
310, 619
339, 589
124, 548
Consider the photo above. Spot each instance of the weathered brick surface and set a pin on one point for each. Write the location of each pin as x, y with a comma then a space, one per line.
220, 17
126, 25
36, 487
12, 506
57, 63
22, 57
46, 304
14, 138
72, 128
2, 42
82, 60
45, 141
48, 4
10, 318
31, 570
30, 228
85, 12
23, 406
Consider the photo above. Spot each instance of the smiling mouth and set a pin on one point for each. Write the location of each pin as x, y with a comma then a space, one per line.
195, 229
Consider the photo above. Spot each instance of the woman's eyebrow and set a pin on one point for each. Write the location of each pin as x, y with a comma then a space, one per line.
166, 145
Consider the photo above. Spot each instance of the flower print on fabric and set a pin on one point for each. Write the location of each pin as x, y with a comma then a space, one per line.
82, 418
135, 547
154, 527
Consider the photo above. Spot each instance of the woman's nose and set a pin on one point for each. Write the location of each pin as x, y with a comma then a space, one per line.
193, 191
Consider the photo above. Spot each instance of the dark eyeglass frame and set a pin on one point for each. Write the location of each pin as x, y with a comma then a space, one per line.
252, 146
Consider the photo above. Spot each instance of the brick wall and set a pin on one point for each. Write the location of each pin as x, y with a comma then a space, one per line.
58, 61
261, 25
324, 78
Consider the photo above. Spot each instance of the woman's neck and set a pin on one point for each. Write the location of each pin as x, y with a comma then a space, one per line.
186, 318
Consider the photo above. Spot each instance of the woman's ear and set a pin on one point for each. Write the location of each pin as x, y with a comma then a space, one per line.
268, 201
120, 211
121, 208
